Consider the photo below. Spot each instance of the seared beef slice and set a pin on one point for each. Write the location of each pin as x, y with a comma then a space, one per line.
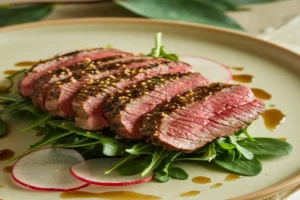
197, 117
88, 103
125, 110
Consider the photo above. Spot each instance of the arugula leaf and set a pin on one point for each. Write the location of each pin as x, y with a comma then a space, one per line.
77, 145
134, 166
3, 128
266, 146
16, 106
253, 1
230, 155
10, 97
210, 154
21, 14
245, 131
163, 168
48, 139
112, 147
140, 148
158, 155
39, 122
70, 126
11, 77
181, 10
121, 162
34, 110
158, 50
247, 154
241, 166
224, 145
161, 177
178, 173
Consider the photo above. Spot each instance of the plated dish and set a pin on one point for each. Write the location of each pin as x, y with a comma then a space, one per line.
161, 93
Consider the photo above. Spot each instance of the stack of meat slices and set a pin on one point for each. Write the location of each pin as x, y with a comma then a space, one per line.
139, 97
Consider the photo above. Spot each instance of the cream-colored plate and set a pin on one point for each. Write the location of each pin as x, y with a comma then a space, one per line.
275, 69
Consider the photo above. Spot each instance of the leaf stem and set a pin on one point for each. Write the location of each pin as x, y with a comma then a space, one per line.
158, 44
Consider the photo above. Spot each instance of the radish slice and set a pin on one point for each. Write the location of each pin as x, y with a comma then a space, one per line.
212, 70
48, 170
92, 172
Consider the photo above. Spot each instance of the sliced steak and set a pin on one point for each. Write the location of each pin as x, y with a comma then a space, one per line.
197, 117
65, 60
88, 104
97, 68
125, 110
60, 96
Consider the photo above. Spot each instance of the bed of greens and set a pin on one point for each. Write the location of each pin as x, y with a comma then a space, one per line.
239, 153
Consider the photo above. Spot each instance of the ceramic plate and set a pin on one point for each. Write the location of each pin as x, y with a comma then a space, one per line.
275, 70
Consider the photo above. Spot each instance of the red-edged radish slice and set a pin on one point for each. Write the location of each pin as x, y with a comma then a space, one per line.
92, 172
212, 70
48, 170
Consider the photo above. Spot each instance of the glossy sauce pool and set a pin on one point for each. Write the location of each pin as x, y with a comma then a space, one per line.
243, 78
273, 118
26, 63
237, 68
217, 185
261, 94
201, 180
232, 177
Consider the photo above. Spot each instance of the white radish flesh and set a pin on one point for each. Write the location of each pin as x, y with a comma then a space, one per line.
212, 70
93, 172
48, 170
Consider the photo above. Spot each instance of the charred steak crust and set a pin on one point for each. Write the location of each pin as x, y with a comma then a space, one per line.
60, 96
40, 89
65, 60
195, 118
89, 102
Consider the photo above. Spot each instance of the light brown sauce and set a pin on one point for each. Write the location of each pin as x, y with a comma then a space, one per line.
113, 195
26, 63
190, 193
8, 169
272, 105
1, 186
6, 154
232, 177
10, 72
282, 138
243, 78
217, 185
237, 68
4, 89
273, 118
261, 94
201, 180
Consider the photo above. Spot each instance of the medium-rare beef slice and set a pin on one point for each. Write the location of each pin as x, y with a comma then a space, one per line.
44, 83
197, 117
88, 104
60, 96
125, 110
65, 60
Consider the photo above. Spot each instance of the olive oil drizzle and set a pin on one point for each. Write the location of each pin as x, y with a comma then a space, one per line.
243, 78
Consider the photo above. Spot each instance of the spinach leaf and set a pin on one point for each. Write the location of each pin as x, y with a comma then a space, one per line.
230, 155
245, 131
241, 166
48, 139
181, 10
225, 145
161, 177
266, 146
178, 173
163, 168
134, 166
3, 128
253, 1
158, 155
140, 148
22, 14
247, 154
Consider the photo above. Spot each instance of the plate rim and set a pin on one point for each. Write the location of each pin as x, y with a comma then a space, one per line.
291, 182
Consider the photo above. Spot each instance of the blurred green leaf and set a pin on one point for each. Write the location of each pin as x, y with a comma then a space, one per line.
191, 11
253, 1
21, 14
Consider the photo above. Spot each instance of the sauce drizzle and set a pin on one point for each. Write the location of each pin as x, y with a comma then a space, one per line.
6, 154
10, 72
4, 89
237, 68
232, 177
201, 180
243, 78
8, 169
112, 195
1, 186
190, 193
217, 185
261, 94
272, 105
273, 118
26, 63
